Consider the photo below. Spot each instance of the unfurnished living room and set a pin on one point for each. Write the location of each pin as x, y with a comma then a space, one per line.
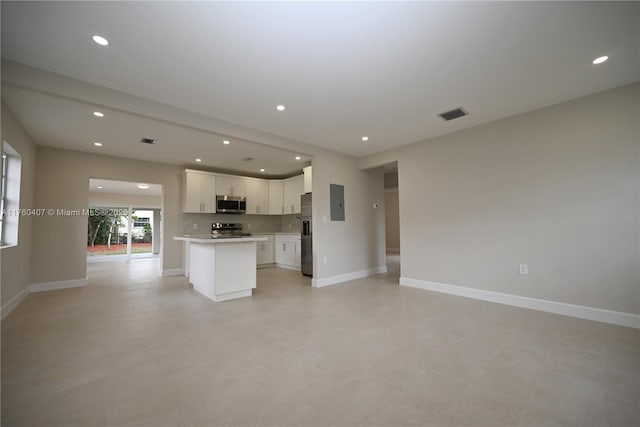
320, 214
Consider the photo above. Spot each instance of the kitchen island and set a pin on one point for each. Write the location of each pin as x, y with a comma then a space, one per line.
223, 268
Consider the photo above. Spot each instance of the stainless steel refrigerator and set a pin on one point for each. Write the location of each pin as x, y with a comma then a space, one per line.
306, 235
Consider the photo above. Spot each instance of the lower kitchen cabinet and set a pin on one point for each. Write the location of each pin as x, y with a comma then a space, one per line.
287, 251
265, 251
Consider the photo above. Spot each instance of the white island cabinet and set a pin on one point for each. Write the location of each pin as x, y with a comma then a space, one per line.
222, 269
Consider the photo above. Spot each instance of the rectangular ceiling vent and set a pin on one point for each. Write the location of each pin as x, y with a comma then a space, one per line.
246, 159
453, 114
147, 140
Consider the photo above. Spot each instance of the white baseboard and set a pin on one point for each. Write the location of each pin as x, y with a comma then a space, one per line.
288, 267
173, 272
332, 280
259, 266
40, 287
13, 303
63, 284
579, 311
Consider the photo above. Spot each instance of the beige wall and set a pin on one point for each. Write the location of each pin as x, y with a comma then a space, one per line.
123, 200
392, 221
16, 261
357, 243
391, 180
63, 182
556, 188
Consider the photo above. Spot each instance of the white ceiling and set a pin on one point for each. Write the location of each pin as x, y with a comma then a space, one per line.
343, 69
123, 187
69, 124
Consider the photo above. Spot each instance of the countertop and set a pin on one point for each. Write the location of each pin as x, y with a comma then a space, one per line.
205, 238
278, 233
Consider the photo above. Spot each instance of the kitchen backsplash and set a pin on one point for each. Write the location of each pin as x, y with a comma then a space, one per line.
250, 223
290, 223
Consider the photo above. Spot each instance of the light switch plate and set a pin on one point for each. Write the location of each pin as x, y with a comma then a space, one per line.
524, 269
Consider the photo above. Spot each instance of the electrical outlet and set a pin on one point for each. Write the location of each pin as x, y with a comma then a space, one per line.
248, 226
324, 259
524, 269
289, 226
195, 226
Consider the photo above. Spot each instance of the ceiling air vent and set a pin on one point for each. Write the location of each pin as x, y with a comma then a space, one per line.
246, 159
453, 114
147, 140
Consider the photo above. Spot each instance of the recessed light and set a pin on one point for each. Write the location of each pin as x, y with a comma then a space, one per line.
98, 114
280, 108
600, 59
365, 138
99, 187
100, 40
98, 144
143, 186
298, 157
261, 170
198, 160
225, 142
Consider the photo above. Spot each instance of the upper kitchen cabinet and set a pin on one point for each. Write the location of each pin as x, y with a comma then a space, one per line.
230, 186
293, 189
308, 179
199, 192
276, 197
257, 196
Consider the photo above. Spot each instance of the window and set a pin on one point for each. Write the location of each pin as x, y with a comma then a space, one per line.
9, 196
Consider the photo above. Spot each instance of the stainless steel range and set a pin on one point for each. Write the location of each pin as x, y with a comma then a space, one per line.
222, 230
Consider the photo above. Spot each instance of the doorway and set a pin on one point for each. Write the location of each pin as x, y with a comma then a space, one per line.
392, 219
124, 221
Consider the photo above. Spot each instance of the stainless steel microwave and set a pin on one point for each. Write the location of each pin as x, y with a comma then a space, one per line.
231, 204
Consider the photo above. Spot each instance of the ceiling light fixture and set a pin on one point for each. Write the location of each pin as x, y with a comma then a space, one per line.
100, 40
198, 160
298, 157
99, 187
365, 138
225, 142
98, 114
143, 186
600, 60
98, 144
280, 108
261, 170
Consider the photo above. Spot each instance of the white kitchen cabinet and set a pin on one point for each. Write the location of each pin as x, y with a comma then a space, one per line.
199, 192
257, 196
287, 251
265, 250
276, 197
308, 179
231, 186
293, 189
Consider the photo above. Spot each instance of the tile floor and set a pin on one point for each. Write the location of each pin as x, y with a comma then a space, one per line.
134, 349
